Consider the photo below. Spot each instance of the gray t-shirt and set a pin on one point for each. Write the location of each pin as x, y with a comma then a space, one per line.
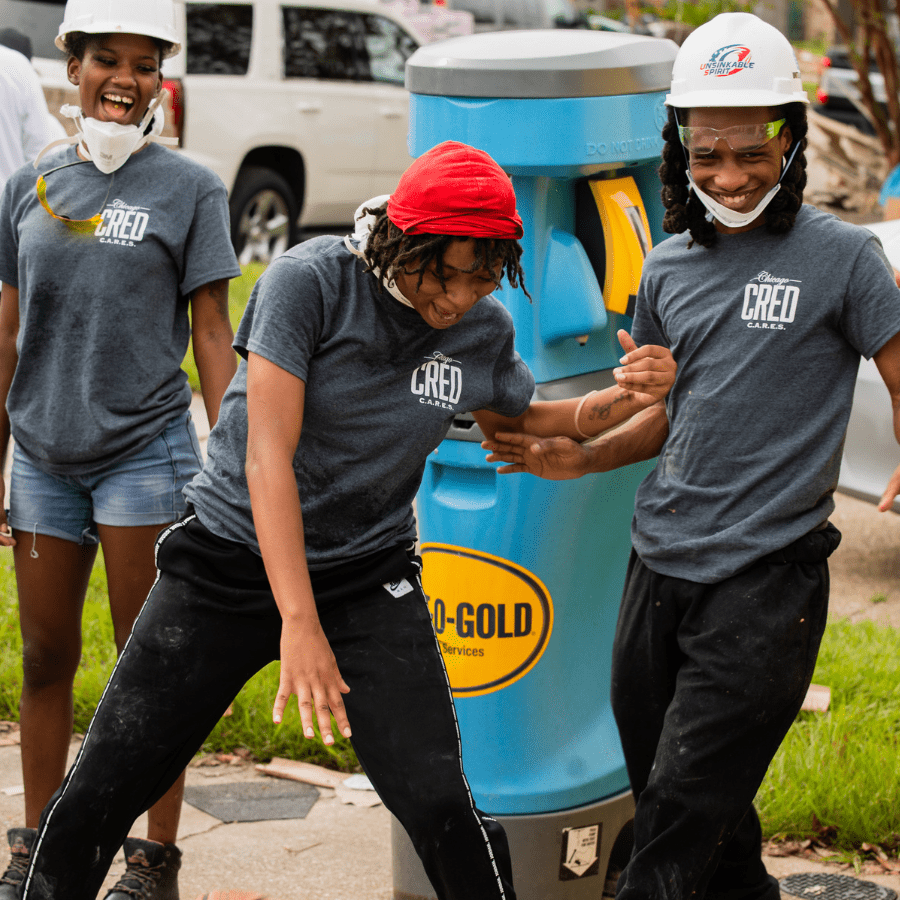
103, 316
767, 332
382, 388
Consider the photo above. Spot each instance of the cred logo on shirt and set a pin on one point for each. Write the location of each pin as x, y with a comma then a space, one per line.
438, 382
122, 224
770, 302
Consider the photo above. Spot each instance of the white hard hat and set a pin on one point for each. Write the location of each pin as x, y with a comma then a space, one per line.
153, 18
735, 59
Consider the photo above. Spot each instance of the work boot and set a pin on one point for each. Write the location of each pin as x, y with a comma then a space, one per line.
21, 840
151, 872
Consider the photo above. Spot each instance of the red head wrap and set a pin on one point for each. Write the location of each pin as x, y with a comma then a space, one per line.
455, 189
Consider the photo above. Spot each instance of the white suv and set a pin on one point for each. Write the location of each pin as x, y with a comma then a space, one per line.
297, 105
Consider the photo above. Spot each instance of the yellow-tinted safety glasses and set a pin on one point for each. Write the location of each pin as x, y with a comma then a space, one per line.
79, 226
701, 141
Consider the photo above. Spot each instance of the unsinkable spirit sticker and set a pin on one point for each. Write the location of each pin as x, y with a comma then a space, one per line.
492, 617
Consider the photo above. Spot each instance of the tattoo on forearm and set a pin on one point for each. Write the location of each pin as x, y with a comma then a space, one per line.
600, 412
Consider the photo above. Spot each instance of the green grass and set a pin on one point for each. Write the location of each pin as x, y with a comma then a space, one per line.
840, 768
250, 724
696, 13
817, 46
238, 294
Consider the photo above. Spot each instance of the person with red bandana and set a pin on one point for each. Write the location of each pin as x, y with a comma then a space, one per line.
299, 539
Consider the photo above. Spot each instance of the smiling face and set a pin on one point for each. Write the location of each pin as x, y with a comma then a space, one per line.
738, 180
442, 306
117, 77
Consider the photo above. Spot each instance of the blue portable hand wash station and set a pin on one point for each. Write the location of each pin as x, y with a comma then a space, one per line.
524, 576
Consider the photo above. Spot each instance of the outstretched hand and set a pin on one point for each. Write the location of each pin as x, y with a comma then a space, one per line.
554, 458
309, 670
648, 371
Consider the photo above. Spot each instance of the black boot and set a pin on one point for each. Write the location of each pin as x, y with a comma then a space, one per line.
21, 840
151, 872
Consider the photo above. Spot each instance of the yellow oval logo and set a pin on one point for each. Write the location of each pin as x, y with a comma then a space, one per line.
492, 618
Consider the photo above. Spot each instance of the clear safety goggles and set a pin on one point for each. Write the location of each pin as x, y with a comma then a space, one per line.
701, 141
79, 226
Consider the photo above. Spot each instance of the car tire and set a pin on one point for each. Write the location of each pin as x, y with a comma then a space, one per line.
264, 215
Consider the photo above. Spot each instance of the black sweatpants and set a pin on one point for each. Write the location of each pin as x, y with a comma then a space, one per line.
209, 624
707, 679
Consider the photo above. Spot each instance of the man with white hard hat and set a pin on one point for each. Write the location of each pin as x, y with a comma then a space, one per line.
767, 305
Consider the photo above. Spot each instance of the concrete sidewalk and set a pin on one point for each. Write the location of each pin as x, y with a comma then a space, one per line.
336, 852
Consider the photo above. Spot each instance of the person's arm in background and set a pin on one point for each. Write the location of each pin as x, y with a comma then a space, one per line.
888, 361
275, 403
645, 377
211, 336
9, 359
37, 129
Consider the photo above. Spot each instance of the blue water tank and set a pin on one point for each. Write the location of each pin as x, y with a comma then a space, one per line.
524, 576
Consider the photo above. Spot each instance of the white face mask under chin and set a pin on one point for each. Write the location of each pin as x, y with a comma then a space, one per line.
108, 144
731, 218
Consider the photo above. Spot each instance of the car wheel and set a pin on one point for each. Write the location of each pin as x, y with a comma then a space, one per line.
263, 215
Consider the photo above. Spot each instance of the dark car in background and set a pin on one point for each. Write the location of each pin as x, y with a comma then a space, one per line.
837, 93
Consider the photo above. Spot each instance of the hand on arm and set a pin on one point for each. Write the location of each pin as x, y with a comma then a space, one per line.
211, 334
888, 361
559, 458
9, 359
645, 376
275, 400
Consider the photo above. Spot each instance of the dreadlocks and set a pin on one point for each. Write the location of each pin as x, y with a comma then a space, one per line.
390, 250
684, 212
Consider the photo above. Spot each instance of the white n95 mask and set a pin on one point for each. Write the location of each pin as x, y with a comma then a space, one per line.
108, 144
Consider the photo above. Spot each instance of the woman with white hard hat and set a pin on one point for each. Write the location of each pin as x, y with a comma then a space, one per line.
101, 262
767, 305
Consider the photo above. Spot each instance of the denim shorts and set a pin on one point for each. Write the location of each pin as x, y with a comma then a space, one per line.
143, 489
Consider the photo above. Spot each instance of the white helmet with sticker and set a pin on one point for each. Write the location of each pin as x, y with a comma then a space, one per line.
735, 59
